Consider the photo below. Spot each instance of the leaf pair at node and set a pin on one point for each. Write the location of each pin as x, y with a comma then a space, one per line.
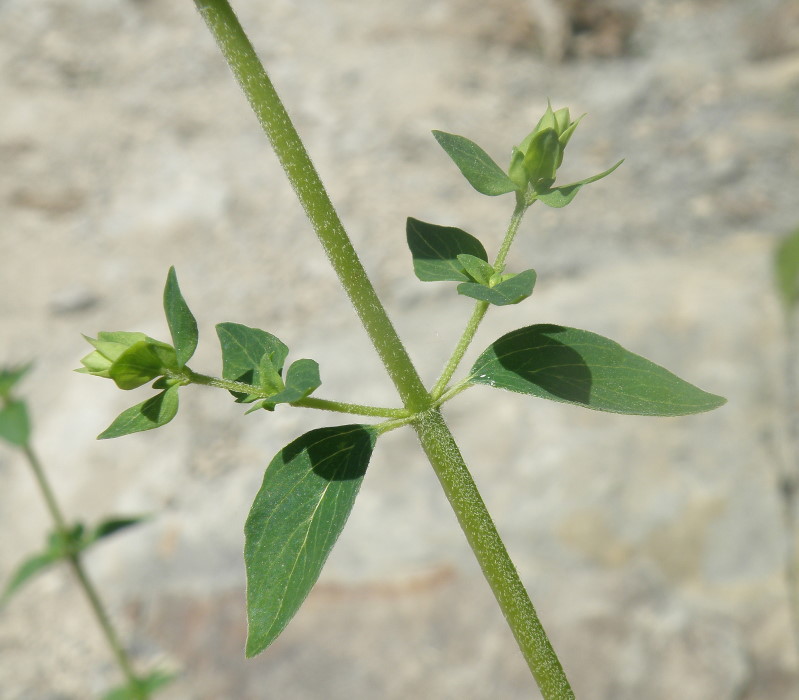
60, 546
255, 357
132, 359
446, 253
250, 356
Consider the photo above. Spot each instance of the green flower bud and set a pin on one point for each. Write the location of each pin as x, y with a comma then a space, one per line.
516, 172
540, 154
130, 359
542, 158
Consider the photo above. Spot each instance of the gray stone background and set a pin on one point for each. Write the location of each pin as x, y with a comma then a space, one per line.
653, 548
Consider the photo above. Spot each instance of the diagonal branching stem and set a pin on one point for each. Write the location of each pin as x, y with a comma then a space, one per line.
434, 435
481, 307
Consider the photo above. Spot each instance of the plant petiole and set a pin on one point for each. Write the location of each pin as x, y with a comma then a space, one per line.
191, 377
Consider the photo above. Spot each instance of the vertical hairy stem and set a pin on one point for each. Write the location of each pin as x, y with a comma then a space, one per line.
497, 566
302, 175
434, 435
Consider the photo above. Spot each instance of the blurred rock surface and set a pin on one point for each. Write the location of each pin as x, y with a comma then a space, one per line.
652, 548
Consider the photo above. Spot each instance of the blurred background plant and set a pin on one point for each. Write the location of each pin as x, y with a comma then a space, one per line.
67, 543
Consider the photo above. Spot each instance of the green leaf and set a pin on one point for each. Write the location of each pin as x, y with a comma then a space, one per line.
28, 569
142, 687
476, 165
302, 378
511, 291
574, 366
269, 378
141, 363
111, 526
181, 321
153, 413
786, 270
61, 545
306, 497
14, 423
476, 268
435, 251
10, 376
242, 350
558, 197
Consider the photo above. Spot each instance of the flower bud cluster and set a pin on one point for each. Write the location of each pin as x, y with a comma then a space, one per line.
130, 359
536, 160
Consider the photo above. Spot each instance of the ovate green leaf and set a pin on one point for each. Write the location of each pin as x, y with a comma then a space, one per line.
511, 291
242, 350
574, 366
308, 491
181, 321
435, 251
14, 423
476, 165
153, 413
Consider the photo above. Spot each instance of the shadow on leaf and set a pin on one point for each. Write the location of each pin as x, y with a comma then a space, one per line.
336, 454
541, 359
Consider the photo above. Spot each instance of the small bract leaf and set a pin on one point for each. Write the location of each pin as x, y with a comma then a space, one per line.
242, 350
476, 165
181, 321
560, 196
153, 413
435, 250
269, 378
476, 268
574, 366
786, 270
14, 423
511, 291
302, 378
307, 494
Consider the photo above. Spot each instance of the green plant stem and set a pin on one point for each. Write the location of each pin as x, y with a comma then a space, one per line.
357, 409
307, 402
75, 563
500, 572
435, 437
302, 175
513, 227
481, 307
